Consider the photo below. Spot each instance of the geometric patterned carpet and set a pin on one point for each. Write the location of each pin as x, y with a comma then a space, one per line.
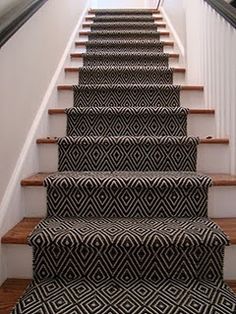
127, 229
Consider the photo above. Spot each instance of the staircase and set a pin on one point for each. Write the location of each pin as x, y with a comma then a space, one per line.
127, 227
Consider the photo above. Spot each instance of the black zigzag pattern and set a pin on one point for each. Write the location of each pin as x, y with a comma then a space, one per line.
82, 296
126, 59
133, 121
124, 34
127, 153
127, 194
125, 75
110, 248
123, 25
128, 46
126, 95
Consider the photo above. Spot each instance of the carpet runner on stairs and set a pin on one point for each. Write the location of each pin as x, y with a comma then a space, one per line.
134, 121
144, 46
127, 228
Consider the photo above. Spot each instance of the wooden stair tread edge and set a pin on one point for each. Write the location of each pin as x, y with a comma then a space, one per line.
55, 111
81, 54
20, 232
212, 140
83, 42
158, 24
154, 11
219, 179
86, 33
69, 87
155, 17
77, 69
10, 291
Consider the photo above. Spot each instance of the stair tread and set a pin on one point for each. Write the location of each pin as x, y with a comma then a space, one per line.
55, 111
155, 17
124, 11
126, 32
69, 87
13, 288
10, 291
219, 179
54, 140
115, 296
20, 232
164, 232
102, 42
78, 69
117, 54
88, 24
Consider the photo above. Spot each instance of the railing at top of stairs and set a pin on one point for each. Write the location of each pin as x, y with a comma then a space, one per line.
15, 15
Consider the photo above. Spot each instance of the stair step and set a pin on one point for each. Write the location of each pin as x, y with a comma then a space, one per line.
120, 18
59, 111
119, 24
125, 75
20, 232
131, 153
54, 140
83, 54
12, 289
218, 179
10, 292
81, 43
77, 69
127, 243
96, 33
143, 297
69, 87
123, 11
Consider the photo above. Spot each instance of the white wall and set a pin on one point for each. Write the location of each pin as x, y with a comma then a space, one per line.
175, 9
106, 4
28, 62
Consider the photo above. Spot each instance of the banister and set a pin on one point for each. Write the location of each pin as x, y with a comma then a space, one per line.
20, 13
225, 10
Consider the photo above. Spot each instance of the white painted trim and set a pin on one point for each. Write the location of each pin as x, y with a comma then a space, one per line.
173, 31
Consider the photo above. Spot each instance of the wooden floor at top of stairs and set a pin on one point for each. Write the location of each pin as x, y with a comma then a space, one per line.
12, 289
20, 233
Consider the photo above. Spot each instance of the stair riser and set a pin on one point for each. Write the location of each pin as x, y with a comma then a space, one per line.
96, 27
57, 124
211, 158
154, 36
72, 78
220, 202
89, 154
82, 49
23, 268
127, 264
188, 99
127, 122
105, 60
126, 77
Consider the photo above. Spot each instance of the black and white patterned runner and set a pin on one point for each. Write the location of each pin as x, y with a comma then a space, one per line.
137, 241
